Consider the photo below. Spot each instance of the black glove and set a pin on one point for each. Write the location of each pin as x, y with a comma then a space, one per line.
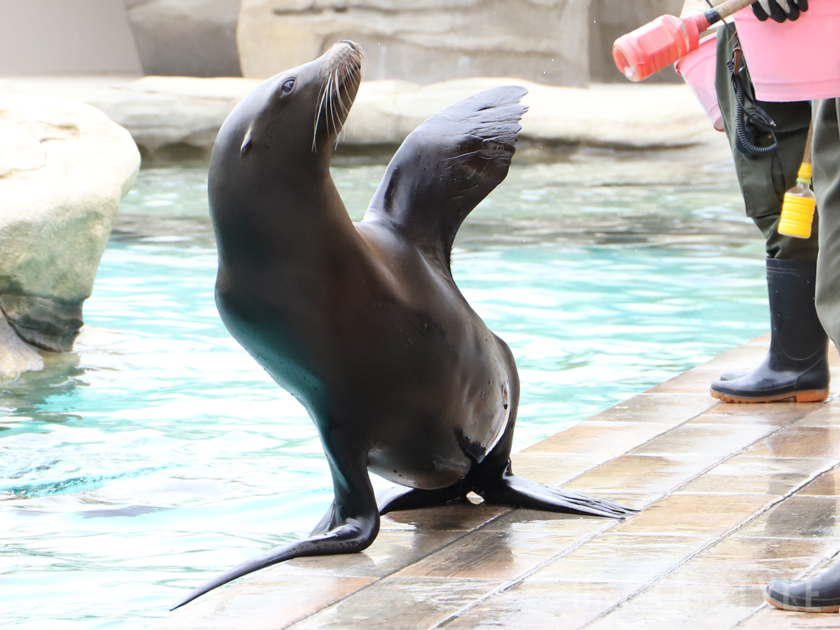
779, 10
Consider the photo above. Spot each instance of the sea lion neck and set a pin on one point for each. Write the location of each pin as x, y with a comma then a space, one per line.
289, 218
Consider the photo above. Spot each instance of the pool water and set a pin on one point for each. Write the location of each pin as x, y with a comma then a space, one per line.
160, 454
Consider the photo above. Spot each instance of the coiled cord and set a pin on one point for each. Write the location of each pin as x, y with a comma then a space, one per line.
743, 142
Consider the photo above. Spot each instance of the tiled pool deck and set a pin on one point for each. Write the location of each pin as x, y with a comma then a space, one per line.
732, 496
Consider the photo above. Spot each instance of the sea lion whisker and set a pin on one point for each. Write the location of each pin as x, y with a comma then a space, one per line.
318, 113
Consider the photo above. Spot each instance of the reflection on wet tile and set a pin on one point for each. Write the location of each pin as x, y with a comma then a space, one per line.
754, 560
825, 416
552, 469
549, 522
641, 473
703, 515
777, 414
757, 475
797, 517
660, 408
621, 558
717, 440
633, 500
492, 555
770, 618
390, 552
826, 485
686, 606
606, 439
796, 441
461, 517
543, 605
401, 604
261, 606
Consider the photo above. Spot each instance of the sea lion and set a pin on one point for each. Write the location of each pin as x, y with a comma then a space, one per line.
363, 323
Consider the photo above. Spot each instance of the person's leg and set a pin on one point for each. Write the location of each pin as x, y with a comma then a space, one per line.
822, 592
827, 190
795, 367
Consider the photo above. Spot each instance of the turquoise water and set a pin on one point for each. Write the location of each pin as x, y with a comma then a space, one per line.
161, 454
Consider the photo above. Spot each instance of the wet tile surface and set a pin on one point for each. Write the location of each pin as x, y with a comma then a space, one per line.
402, 604
544, 605
757, 475
731, 496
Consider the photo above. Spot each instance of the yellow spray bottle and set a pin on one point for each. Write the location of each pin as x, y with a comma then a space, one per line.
800, 202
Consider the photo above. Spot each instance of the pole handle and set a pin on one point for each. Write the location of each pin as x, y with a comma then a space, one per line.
730, 7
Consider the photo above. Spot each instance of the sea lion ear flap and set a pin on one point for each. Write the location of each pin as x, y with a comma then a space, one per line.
246, 143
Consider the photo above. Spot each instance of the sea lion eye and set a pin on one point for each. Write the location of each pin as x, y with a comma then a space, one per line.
288, 86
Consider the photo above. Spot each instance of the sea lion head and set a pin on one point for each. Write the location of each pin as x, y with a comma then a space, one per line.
297, 113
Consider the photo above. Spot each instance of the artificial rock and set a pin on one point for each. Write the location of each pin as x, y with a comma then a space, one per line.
64, 166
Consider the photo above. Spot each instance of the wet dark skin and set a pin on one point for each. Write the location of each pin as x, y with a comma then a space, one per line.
362, 322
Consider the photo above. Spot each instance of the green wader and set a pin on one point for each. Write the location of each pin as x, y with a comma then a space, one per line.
827, 190
764, 180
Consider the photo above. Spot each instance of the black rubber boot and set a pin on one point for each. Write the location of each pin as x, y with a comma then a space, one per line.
820, 594
796, 367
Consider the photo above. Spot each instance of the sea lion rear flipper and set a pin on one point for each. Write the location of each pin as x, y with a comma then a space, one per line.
446, 166
348, 528
513, 491
398, 499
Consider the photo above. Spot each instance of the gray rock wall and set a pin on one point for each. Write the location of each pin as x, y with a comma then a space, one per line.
186, 37
66, 37
609, 20
423, 41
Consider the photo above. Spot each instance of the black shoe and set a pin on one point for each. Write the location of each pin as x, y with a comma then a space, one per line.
818, 595
796, 367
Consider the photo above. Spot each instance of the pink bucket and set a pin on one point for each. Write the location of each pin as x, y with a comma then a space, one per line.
794, 61
698, 70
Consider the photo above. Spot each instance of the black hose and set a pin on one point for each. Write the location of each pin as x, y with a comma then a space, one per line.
757, 119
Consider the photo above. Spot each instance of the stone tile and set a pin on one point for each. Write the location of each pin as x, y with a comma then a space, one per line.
492, 555
754, 560
797, 517
642, 473
543, 605
262, 606
769, 618
692, 382
704, 440
702, 515
390, 552
826, 485
621, 558
552, 469
458, 517
671, 604
401, 604
604, 439
670, 409
796, 441
757, 475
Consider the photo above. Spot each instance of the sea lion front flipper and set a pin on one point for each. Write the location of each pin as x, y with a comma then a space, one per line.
353, 518
513, 491
446, 166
